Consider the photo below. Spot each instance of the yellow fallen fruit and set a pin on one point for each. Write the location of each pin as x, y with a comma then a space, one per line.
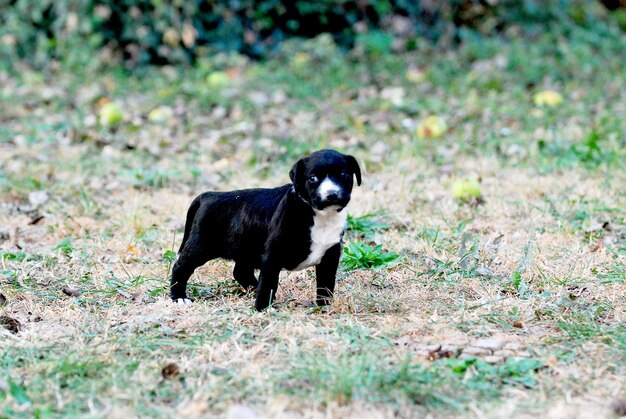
218, 79
432, 127
415, 76
111, 115
160, 115
171, 37
466, 189
548, 98
301, 60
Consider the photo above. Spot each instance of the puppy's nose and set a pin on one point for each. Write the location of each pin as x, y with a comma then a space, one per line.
332, 196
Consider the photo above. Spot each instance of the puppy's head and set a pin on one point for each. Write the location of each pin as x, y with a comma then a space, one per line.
325, 178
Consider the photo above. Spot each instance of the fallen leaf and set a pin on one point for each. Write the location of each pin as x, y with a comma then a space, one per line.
71, 292
489, 343
124, 294
475, 351
35, 219
429, 351
170, 371
3, 300
599, 245
132, 250
11, 324
38, 198
448, 351
513, 346
395, 95
138, 297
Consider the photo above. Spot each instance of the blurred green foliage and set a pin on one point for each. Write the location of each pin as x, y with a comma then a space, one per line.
137, 32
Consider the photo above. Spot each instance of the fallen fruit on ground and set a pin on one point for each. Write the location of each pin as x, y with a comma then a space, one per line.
432, 127
415, 76
218, 79
160, 115
466, 189
111, 114
301, 60
548, 98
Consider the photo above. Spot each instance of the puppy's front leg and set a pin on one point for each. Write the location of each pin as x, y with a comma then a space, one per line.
268, 284
326, 271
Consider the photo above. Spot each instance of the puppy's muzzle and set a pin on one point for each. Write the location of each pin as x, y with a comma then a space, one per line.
333, 199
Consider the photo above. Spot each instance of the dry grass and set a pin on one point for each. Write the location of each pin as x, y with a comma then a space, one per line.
102, 352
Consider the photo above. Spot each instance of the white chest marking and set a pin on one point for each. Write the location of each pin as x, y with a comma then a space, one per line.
328, 225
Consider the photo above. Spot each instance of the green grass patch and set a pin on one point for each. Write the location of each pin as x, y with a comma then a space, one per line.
357, 255
366, 226
447, 383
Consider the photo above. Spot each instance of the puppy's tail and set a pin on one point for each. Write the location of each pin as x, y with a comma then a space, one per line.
191, 213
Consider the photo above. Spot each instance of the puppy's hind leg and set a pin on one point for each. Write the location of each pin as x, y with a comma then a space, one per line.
189, 259
244, 275
268, 285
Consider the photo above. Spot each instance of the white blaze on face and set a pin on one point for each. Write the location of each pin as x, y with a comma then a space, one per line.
326, 188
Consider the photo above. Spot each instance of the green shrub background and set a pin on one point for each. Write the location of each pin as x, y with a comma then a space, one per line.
88, 32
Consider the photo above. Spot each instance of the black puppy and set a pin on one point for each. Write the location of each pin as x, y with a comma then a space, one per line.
290, 227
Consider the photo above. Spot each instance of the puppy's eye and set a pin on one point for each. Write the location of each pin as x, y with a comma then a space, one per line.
345, 174
312, 178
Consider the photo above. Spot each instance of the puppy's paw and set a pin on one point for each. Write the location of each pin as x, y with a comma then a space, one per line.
182, 301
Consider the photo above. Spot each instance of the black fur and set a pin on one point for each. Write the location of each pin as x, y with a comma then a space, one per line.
267, 229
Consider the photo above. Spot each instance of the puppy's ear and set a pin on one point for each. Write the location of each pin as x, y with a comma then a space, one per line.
354, 166
296, 172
